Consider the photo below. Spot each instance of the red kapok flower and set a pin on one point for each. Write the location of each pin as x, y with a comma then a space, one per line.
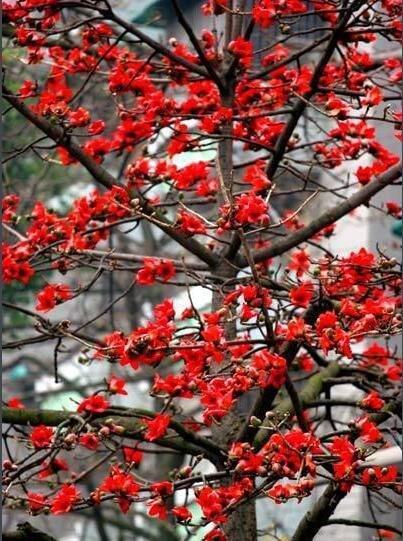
301, 295
157, 427
132, 455
51, 295
157, 509
116, 385
15, 402
65, 499
93, 404
41, 436
89, 440
373, 401
36, 501
182, 513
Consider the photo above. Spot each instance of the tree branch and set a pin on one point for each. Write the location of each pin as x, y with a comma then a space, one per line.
302, 103
156, 46
103, 177
363, 524
285, 408
195, 42
360, 197
319, 514
323, 509
129, 421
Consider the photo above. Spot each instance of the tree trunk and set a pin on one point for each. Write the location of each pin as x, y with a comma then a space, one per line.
241, 524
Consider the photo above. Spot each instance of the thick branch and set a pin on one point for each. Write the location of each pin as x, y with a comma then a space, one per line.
360, 197
323, 509
131, 424
302, 103
319, 514
311, 391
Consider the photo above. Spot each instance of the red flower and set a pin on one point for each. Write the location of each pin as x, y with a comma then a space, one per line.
16, 403
41, 436
279, 493
132, 456
295, 329
157, 427
154, 268
212, 333
190, 224
264, 14
271, 369
373, 401
327, 320
36, 501
394, 209
65, 499
89, 440
164, 311
305, 363
27, 89
123, 485
79, 118
255, 175
189, 175
345, 451
51, 295
378, 476
301, 295
96, 127
364, 174
369, 433
215, 535
182, 513
214, 7
157, 509
243, 49
162, 488
9, 206
93, 404
116, 385
264, 11
210, 502
299, 262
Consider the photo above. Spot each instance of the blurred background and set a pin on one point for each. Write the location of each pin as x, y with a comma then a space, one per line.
28, 370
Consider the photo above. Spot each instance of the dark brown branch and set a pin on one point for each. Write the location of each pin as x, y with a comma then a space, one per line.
128, 419
195, 42
296, 404
319, 515
311, 390
363, 524
360, 197
302, 102
155, 45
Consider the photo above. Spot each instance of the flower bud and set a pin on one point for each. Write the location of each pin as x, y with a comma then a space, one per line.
104, 432
371, 472
70, 439
255, 422
117, 429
